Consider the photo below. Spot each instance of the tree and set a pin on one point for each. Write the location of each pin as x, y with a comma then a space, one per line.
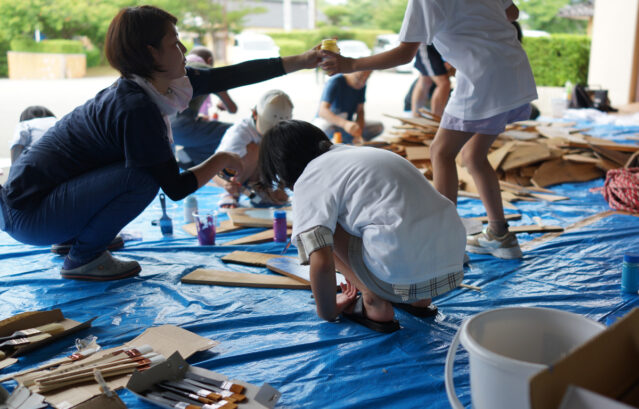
542, 15
390, 15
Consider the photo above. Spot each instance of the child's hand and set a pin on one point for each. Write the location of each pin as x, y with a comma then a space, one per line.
346, 297
354, 129
334, 63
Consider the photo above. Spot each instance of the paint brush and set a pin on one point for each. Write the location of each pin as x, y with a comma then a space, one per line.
106, 373
229, 386
17, 342
205, 393
225, 393
186, 394
52, 329
177, 404
166, 226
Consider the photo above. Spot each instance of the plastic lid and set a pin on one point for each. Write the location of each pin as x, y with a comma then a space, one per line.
191, 199
279, 214
631, 258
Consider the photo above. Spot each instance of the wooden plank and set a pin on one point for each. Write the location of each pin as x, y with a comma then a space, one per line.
418, 122
417, 153
509, 216
224, 227
292, 268
467, 180
553, 131
610, 145
619, 157
526, 155
519, 135
426, 111
236, 279
261, 237
580, 158
250, 258
252, 217
534, 228
560, 171
497, 156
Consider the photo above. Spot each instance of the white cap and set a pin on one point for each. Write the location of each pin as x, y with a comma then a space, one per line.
273, 107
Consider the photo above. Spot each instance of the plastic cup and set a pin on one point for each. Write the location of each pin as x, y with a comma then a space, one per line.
205, 226
558, 107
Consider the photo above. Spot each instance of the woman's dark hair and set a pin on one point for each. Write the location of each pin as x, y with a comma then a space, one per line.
130, 33
286, 149
520, 34
35, 111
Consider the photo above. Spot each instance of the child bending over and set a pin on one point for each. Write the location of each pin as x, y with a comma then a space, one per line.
372, 215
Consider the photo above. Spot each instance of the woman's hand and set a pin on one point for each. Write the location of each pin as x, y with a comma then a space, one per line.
334, 63
309, 59
346, 297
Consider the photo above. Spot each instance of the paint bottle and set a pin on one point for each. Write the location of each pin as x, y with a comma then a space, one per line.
330, 45
190, 207
337, 137
630, 273
279, 226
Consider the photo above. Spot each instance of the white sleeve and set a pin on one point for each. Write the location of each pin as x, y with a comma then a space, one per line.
21, 135
313, 205
422, 20
234, 140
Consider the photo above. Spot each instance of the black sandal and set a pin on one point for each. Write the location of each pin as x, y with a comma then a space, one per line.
359, 316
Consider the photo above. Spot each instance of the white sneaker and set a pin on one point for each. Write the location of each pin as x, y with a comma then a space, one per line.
487, 242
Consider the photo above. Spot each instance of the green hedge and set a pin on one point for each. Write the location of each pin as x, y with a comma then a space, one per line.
295, 42
559, 58
4, 67
47, 46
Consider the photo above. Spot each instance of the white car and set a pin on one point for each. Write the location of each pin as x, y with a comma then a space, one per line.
353, 48
385, 42
253, 46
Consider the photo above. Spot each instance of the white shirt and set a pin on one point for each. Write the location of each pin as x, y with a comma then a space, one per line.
238, 136
28, 132
475, 37
410, 232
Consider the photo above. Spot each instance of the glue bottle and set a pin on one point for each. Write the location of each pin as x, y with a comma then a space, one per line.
190, 207
337, 137
279, 226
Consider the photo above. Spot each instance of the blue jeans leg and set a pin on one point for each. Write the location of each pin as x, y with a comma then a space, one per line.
90, 210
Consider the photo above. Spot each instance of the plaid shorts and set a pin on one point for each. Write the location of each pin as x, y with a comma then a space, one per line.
489, 126
403, 293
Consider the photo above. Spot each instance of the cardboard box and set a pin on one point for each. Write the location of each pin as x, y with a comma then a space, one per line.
607, 365
34, 319
174, 368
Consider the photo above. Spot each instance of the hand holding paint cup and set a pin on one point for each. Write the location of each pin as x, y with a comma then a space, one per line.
205, 226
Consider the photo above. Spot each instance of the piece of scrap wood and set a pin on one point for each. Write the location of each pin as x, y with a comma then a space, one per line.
497, 156
529, 189
548, 197
608, 145
250, 258
291, 267
619, 157
419, 122
553, 131
525, 155
580, 158
560, 171
426, 111
225, 226
534, 228
472, 225
509, 216
261, 237
519, 135
470, 287
236, 279
467, 180
417, 153
252, 217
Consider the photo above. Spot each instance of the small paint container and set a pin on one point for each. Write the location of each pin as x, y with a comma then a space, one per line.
205, 226
279, 226
630, 273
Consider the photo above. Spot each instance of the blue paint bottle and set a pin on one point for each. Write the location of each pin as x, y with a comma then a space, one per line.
630, 273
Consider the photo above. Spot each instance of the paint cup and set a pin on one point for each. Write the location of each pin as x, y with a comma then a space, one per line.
330, 45
630, 273
205, 226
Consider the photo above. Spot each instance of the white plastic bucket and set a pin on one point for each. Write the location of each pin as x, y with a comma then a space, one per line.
507, 346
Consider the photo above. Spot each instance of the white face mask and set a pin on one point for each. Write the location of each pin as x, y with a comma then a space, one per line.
175, 100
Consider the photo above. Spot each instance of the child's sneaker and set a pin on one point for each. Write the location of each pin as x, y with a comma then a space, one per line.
487, 242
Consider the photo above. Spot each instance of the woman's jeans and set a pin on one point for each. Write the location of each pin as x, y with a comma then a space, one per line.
89, 210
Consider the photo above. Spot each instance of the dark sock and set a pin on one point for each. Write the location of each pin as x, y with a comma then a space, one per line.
70, 264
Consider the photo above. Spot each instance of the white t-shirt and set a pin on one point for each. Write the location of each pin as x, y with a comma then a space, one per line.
28, 132
475, 37
238, 136
410, 232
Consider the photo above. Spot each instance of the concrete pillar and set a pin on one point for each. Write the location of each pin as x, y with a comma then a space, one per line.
614, 53
288, 18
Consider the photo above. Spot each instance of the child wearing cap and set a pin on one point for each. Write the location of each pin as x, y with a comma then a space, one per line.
244, 139
378, 221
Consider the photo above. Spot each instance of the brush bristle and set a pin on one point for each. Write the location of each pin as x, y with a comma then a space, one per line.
236, 388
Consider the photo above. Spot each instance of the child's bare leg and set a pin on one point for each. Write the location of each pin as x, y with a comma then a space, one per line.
377, 309
475, 156
443, 151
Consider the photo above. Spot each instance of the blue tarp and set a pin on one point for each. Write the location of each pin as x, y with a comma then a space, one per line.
274, 336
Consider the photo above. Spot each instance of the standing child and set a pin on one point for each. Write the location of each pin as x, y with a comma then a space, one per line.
494, 87
371, 214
